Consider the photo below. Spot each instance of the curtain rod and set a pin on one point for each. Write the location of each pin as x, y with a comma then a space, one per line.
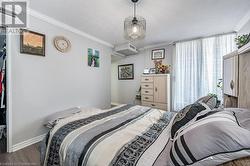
203, 37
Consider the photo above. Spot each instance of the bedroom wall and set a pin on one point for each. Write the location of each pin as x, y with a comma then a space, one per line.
124, 91
245, 29
44, 85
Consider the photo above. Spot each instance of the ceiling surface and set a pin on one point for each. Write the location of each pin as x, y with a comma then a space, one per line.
167, 20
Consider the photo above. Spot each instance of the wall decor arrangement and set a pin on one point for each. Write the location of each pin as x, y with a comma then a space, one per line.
32, 43
62, 44
126, 72
158, 54
93, 58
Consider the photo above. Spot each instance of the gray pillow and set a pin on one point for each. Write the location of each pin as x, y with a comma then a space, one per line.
185, 115
209, 100
53, 119
216, 139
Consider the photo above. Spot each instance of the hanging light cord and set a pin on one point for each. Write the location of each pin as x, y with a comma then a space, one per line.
135, 10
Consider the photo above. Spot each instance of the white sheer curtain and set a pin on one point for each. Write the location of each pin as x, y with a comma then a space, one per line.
198, 67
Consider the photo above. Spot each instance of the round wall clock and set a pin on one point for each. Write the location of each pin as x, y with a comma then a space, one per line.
62, 44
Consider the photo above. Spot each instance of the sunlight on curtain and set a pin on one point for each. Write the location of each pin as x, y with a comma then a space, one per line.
198, 67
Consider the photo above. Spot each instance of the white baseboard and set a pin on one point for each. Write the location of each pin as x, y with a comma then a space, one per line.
28, 142
114, 103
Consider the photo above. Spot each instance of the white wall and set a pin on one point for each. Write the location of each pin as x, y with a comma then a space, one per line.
245, 29
124, 91
44, 85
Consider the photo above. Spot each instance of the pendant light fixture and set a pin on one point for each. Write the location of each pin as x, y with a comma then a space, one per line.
135, 26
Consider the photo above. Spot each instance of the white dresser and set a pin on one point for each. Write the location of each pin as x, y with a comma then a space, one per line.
230, 79
155, 91
230, 74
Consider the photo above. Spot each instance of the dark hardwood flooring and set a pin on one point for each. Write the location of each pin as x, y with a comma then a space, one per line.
3, 146
29, 156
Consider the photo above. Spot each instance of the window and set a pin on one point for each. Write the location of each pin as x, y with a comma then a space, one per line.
198, 68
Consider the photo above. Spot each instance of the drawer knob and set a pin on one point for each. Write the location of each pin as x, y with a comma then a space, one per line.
232, 84
146, 85
146, 79
146, 91
153, 105
146, 97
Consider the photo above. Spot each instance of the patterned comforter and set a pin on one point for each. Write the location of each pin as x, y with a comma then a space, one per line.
125, 135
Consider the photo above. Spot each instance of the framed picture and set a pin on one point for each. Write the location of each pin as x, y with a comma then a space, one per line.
158, 54
126, 72
152, 71
93, 58
32, 43
146, 71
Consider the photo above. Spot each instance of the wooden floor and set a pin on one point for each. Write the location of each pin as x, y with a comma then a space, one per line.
28, 156
3, 145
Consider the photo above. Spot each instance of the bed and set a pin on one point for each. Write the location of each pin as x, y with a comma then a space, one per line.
129, 135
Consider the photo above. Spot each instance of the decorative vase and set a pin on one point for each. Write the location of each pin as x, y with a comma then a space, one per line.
157, 63
161, 68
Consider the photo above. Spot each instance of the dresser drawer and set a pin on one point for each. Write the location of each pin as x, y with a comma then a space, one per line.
155, 105
161, 106
147, 104
147, 98
147, 79
147, 85
147, 91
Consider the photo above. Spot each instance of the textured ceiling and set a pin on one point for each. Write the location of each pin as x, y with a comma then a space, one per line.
167, 20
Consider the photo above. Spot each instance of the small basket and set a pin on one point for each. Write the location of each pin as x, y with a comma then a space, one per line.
2, 130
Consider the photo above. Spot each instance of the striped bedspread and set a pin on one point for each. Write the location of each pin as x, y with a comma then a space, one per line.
125, 135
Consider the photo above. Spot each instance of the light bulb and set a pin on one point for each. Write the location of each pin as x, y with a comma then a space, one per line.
135, 28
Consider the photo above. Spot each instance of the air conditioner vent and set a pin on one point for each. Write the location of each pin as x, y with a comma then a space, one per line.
126, 49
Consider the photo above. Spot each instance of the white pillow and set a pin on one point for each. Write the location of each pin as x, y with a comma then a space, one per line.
53, 119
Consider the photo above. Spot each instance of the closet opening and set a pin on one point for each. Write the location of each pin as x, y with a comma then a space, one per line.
3, 106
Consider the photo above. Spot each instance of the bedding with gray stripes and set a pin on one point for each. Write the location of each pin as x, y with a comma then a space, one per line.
125, 135
130, 135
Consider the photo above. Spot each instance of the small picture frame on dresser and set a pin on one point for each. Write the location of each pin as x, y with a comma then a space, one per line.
146, 71
152, 71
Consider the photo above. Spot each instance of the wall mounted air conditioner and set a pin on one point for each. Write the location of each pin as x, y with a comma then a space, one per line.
126, 49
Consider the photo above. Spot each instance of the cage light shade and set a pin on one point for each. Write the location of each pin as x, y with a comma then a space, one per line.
134, 29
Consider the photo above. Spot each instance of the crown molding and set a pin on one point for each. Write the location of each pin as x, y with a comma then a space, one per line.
242, 22
114, 53
155, 46
60, 24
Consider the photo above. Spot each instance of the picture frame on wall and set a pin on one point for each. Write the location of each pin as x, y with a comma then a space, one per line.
93, 58
126, 72
158, 54
32, 43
